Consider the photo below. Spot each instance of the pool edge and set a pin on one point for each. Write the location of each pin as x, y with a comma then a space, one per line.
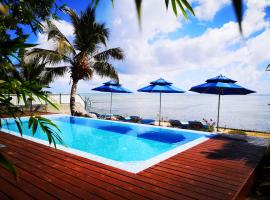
132, 167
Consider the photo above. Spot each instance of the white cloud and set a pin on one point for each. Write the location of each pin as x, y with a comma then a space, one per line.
155, 19
207, 9
65, 27
186, 61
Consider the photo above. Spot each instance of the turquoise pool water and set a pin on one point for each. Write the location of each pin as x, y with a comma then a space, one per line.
122, 142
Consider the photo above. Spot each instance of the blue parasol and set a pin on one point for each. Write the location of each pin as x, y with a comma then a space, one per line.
112, 87
160, 86
220, 85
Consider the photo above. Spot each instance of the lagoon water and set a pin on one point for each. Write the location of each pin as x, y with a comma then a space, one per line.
250, 112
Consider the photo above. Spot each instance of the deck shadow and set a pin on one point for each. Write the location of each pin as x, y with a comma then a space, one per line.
236, 149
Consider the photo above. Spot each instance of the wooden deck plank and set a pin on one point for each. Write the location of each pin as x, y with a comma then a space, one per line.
192, 193
216, 169
3, 196
203, 172
212, 162
12, 190
188, 184
62, 172
170, 194
205, 163
77, 192
130, 183
24, 185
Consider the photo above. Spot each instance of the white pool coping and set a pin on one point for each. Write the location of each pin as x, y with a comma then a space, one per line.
133, 167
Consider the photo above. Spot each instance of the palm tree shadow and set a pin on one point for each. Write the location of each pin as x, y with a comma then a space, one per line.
116, 129
237, 149
162, 136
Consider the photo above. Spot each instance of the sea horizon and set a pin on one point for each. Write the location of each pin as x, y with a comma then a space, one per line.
249, 112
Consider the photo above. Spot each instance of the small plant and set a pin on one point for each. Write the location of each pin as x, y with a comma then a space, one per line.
240, 132
210, 124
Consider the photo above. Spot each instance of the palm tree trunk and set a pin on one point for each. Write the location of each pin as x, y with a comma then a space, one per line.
73, 94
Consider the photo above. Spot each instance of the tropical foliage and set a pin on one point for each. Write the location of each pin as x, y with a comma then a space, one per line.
36, 70
184, 5
14, 15
210, 124
176, 4
83, 57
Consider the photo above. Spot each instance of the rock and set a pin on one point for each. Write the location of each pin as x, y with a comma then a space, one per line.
91, 115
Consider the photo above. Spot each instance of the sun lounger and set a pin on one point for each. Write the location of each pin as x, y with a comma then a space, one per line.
178, 124
119, 117
134, 119
147, 121
94, 113
196, 125
113, 117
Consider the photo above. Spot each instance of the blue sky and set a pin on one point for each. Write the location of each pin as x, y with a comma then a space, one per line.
184, 52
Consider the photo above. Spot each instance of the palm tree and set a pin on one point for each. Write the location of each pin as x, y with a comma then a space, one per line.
36, 70
83, 57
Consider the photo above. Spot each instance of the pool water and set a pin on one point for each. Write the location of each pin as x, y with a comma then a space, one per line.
117, 141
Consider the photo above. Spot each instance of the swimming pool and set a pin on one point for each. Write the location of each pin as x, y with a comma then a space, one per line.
127, 146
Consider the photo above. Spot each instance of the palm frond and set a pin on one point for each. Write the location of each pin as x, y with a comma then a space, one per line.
105, 69
88, 33
81, 70
88, 74
238, 9
101, 33
74, 17
35, 69
32, 69
268, 68
138, 8
63, 45
49, 56
115, 53
51, 73
4, 162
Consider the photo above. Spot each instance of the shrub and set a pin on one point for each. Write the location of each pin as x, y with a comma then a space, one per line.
210, 124
240, 132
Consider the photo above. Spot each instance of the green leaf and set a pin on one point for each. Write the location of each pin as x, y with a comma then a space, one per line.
188, 6
96, 3
182, 9
30, 122
112, 2
268, 68
19, 126
34, 127
167, 4
8, 165
174, 7
238, 8
138, 8
47, 127
4, 9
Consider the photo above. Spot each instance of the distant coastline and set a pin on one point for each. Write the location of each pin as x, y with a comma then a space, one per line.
241, 112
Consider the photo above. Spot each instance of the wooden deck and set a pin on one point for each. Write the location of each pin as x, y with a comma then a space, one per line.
216, 169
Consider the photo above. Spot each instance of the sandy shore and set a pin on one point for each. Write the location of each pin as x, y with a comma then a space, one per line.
65, 109
247, 132
230, 131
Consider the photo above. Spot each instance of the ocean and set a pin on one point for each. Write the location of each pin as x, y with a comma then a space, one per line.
251, 112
